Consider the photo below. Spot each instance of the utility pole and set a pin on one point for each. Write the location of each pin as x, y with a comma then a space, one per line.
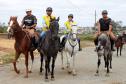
95, 19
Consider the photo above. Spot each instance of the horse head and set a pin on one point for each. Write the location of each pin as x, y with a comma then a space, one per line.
13, 25
54, 27
102, 41
73, 33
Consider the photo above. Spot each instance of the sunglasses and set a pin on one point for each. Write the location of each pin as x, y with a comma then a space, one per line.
104, 13
49, 11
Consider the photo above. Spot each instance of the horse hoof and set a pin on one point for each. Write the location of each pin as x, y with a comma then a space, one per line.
53, 79
41, 73
107, 75
105, 69
41, 69
96, 74
18, 71
69, 72
26, 76
62, 68
30, 71
110, 70
74, 73
67, 66
46, 80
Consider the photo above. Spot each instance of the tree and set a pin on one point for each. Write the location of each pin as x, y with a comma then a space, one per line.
3, 28
117, 26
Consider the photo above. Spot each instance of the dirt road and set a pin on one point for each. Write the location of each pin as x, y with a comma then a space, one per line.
85, 65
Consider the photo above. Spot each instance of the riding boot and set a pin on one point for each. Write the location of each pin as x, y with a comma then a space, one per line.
80, 49
96, 43
112, 45
62, 44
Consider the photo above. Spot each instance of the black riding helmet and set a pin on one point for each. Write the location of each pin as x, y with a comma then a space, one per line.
49, 9
104, 12
70, 15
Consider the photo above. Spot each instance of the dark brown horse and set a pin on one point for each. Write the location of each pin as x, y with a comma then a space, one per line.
119, 44
49, 48
22, 43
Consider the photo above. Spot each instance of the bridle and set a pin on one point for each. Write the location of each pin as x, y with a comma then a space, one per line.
70, 42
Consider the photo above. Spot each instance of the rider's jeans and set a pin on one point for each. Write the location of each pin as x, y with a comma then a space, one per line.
42, 34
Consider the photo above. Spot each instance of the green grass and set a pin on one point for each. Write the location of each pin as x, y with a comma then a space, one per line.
8, 58
88, 37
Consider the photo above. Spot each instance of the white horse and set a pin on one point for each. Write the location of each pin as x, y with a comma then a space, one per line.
70, 50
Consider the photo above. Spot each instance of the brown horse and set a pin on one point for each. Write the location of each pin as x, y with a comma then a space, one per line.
22, 43
119, 44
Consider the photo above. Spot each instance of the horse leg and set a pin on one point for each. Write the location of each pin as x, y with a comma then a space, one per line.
74, 71
107, 63
98, 65
49, 59
111, 63
62, 60
121, 49
117, 50
41, 69
46, 69
53, 65
32, 58
15, 60
26, 64
68, 63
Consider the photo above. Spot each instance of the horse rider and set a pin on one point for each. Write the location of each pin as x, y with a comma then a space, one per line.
105, 25
29, 23
45, 24
68, 27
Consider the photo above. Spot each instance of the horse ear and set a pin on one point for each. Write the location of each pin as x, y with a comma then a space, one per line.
16, 17
58, 19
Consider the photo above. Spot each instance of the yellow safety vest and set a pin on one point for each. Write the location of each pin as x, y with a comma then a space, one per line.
47, 21
68, 24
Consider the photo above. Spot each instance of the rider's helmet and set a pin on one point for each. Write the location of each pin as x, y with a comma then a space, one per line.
28, 10
104, 12
49, 9
70, 15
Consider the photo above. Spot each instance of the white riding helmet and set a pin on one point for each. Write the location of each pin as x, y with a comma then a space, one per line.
28, 10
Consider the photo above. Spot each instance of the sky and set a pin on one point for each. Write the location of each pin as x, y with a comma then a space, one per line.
83, 10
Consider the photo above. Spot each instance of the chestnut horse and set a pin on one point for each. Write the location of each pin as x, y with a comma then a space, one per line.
22, 43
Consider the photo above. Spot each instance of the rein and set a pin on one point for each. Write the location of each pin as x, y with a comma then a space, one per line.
73, 46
